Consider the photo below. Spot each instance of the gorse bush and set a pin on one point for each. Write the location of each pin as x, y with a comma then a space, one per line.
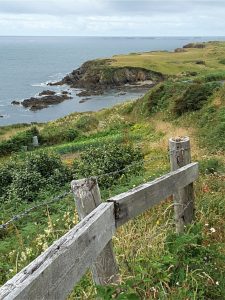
26, 184
160, 95
43, 163
194, 97
49, 166
53, 134
86, 123
216, 76
38, 171
5, 177
108, 158
15, 144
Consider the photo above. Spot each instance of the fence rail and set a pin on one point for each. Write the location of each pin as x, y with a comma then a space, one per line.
55, 272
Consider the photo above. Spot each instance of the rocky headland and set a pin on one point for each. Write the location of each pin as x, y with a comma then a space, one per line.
97, 76
94, 78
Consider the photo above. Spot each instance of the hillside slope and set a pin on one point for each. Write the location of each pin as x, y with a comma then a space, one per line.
154, 262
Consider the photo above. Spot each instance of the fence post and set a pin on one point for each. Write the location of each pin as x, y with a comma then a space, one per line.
87, 198
180, 155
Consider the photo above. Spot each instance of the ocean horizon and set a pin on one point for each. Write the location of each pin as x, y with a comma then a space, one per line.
29, 63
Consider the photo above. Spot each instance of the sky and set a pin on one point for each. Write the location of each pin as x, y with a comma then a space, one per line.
112, 17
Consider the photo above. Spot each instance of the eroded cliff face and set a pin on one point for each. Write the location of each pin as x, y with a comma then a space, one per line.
100, 75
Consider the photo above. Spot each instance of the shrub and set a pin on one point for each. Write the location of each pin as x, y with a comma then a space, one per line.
162, 95
222, 61
108, 158
52, 135
38, 171
26, 184
5, 178
212, 127
194, 97
216, 76
87, 123
15, 143
49, 166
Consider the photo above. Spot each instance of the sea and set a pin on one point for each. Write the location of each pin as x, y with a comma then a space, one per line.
27, 64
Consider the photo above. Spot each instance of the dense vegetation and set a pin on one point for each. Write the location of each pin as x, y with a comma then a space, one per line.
132, 138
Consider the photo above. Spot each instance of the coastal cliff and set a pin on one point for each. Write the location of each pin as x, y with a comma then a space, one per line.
97, 76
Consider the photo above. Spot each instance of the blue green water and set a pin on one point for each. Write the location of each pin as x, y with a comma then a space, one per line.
27, 63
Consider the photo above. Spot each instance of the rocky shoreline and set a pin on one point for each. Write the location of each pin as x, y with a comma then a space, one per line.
97, 76
43, 100
94, 78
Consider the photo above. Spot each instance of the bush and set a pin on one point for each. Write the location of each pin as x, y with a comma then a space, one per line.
87, 123
97, 161
212, 127
52, 135
49, 166
26, 184
163, 94
222, 61
38, 171
5, 178
15, 144
217, 76
194, 97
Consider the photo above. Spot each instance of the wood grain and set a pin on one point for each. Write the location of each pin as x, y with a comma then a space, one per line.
55, 272
134, 202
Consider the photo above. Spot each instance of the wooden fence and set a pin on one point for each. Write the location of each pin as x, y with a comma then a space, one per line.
54, 273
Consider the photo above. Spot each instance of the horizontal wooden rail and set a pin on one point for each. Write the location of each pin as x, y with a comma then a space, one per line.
134, 202
55, 272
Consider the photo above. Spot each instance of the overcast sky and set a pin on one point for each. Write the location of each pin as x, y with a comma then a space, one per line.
113, 17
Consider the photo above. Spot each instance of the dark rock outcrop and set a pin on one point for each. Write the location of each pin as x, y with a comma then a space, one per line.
47, 93
84, 100
195, 45
178, 50
98, 75
36, 103
15, 102
86, 93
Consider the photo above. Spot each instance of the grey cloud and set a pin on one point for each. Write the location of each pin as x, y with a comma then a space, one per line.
113, 17
106, 7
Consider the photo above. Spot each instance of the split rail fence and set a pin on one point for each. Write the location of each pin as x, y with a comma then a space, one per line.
54, 273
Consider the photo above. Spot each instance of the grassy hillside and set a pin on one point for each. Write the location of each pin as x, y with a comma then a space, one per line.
154, 262
200, 60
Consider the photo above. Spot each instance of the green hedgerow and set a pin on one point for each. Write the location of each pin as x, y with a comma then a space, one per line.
15, 143
194, 97
87, 123
26, 184
5, 178
108, 158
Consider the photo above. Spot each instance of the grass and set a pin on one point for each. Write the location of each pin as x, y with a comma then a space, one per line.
172, 63
154, 263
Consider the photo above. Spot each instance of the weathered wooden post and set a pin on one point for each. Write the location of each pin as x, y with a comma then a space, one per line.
180, 155
87, 198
